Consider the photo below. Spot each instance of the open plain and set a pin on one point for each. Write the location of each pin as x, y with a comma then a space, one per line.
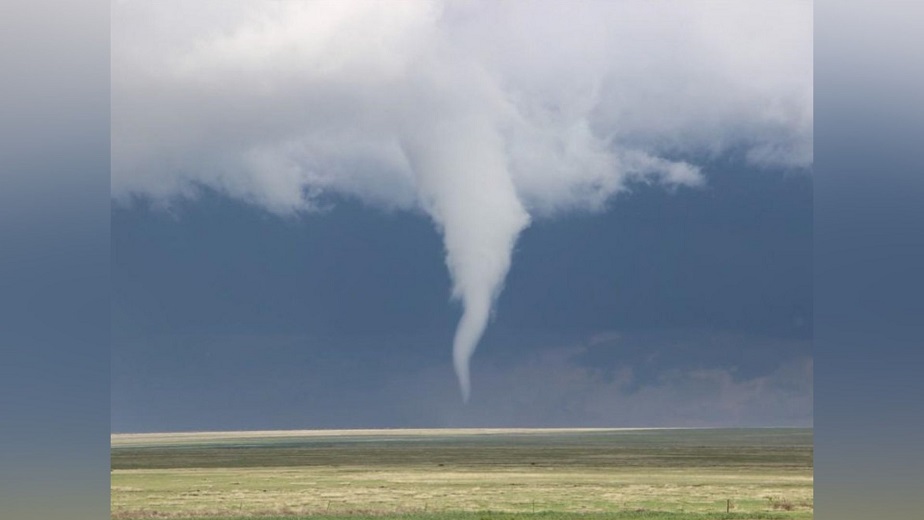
465, 474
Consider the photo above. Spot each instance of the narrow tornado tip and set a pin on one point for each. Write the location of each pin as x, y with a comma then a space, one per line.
471, 326
465, 385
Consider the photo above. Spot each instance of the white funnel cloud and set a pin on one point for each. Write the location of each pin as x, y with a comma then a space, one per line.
464, 181
481, 114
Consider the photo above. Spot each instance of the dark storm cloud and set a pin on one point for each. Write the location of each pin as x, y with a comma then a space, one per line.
226, 317
483, 115
241, 382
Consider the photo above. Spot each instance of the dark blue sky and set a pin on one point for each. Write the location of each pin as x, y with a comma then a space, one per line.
690, 306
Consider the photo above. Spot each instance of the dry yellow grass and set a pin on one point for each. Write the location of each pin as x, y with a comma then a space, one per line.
579, 470
174, 438
217, 492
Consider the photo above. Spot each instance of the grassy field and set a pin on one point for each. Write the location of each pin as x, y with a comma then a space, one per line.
465, 474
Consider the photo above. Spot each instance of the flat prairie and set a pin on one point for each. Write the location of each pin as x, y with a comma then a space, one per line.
465, 474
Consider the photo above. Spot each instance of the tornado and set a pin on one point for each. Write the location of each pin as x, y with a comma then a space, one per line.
466, 188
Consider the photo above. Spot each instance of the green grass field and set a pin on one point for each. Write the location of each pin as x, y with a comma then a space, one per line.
465, 474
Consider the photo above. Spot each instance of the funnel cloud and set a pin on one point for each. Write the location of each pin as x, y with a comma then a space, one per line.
485, 116
464, 181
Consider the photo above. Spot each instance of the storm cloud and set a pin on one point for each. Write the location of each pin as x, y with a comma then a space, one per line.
483, 115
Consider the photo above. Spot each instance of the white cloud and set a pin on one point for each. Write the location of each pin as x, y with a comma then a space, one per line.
269, 101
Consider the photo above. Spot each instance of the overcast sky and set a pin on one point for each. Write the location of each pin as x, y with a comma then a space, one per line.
614, 198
